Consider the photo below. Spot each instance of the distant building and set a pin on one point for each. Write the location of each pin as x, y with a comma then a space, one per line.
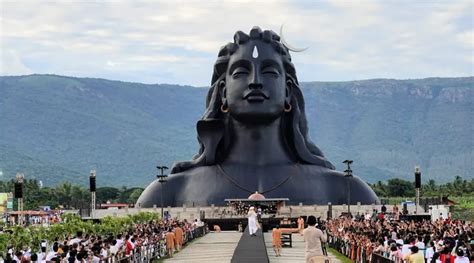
113, 206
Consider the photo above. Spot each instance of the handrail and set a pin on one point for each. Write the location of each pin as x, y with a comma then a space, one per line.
356, 253
148, 253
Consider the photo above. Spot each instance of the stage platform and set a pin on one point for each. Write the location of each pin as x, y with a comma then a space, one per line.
231, 224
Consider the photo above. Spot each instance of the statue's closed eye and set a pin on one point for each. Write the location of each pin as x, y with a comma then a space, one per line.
240, 72
271, 71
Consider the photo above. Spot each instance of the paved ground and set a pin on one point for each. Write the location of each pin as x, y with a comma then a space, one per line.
291, 254
219, 247
213, 247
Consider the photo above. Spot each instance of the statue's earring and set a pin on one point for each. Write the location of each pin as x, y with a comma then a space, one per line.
224, 108
289, 84
288, 107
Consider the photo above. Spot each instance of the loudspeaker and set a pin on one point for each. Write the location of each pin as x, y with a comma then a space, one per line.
417, 179
18, 190
202, 215
405, 209
329, 215
92, 183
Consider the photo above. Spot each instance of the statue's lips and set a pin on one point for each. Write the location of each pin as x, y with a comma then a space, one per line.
255, 96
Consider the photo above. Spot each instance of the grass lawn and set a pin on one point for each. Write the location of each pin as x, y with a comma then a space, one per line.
339, 256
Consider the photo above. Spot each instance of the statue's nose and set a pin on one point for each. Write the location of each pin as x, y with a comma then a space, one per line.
255, 83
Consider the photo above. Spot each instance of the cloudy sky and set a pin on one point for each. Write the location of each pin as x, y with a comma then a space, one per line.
177, 41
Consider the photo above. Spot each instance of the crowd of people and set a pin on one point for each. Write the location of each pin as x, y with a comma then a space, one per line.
145, 242
35, 218
440, 241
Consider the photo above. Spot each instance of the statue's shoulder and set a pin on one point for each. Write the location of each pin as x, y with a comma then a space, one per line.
179, 187
320, 173
196, 173
325, 178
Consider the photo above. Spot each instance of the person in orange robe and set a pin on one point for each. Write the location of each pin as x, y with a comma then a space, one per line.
178, 231
300, 225
276, 240
170, 242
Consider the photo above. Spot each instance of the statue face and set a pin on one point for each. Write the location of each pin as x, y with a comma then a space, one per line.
255, 89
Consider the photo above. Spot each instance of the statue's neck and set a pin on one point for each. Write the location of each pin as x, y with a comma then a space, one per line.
258, 145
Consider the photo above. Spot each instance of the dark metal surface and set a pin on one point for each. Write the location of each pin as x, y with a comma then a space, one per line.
254, 137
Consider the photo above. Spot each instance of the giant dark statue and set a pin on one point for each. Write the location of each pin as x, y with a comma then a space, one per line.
254, 137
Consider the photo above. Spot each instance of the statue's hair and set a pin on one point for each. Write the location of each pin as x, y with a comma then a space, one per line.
294, 124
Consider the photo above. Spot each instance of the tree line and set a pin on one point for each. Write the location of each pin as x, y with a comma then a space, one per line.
31, 236
400, 188
68, 196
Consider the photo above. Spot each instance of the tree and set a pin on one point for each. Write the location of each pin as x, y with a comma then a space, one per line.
430, 188
105, 194
64, 194
459, 185
399, 187
31, 194
379, 189
132, 199
80, 197
125, 194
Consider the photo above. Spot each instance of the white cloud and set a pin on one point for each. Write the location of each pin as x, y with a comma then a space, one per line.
11, 64
466, 39
177, 41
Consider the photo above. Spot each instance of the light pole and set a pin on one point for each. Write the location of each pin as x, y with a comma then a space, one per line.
348, 175
162, 179
417, 187
19, 194
92, 187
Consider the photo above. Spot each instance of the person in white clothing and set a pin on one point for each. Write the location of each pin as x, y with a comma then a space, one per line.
252, 217
53, 253
77, 239
461, 258
419, 243
430, 252
314, 239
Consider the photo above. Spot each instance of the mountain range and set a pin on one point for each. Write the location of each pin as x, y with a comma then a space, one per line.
56, 128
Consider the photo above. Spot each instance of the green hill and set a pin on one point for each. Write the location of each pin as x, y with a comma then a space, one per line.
56, 128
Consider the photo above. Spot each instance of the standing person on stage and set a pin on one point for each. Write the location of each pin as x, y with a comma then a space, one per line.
276, 240
395, 212
300, 225
313, 239
252, 217
170, 242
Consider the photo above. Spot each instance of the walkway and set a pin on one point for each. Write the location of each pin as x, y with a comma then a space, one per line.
213, 247
251, 249
290, 254
219, 247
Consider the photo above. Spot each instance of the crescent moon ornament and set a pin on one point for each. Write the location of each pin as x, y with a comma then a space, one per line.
283, 41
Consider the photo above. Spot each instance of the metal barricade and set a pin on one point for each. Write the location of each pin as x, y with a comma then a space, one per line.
157, 250
356, 253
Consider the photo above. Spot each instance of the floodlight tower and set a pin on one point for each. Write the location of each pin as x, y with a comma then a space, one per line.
417, 187
162, 179
348, 174
92, 187
19, 195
